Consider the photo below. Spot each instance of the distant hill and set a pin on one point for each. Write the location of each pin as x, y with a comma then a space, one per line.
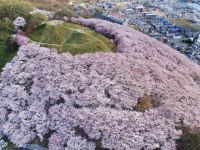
54, 4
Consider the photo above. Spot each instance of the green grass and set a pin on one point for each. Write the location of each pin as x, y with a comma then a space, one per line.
4, 55
189, 141
71, 38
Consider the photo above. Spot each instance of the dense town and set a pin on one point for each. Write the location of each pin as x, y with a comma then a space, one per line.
176, 23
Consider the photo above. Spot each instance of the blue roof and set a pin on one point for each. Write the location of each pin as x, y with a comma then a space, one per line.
111, 18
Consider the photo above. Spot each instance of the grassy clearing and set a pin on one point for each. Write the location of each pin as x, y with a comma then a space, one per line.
4, 55
71, 38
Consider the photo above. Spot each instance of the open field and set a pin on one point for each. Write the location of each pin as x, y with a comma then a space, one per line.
71, 38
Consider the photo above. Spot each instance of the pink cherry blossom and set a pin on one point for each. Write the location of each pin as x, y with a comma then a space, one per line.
21, 40
88, 101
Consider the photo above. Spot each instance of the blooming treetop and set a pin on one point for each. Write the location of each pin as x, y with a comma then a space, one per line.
21, 40
88, 101
19, 22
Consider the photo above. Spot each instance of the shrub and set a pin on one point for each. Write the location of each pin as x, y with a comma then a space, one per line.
86, 14
35, 20
6, 24
10, 44
64, 12
14, 8
144, 103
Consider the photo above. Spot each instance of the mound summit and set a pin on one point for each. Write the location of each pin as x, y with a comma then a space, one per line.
137, 98
73, 38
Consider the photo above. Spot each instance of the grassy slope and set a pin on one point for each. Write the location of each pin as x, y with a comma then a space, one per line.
4, 56
71, 38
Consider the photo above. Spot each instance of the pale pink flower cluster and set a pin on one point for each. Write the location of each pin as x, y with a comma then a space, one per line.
21, 39
87, 101
18, 23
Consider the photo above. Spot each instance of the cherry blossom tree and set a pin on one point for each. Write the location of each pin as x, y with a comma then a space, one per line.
21, 40
18, 23
92, 101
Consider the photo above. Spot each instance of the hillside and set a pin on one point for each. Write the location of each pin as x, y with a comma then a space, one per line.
4, 55
67, 37
143, 96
